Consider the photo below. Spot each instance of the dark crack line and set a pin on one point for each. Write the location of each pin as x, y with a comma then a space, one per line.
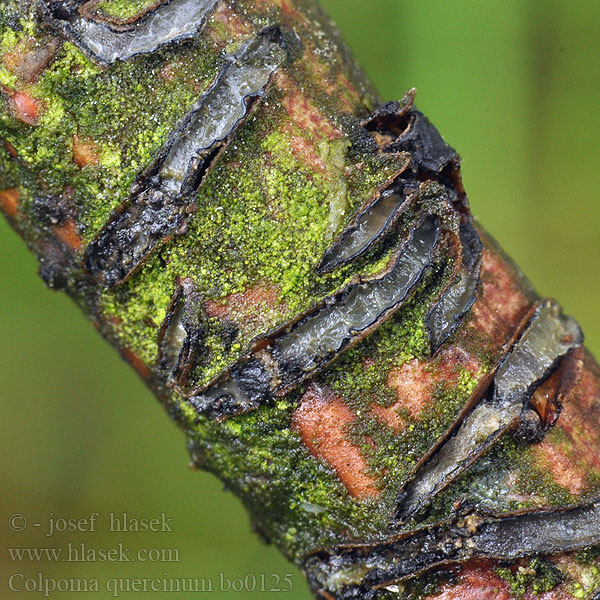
168, 23
357, 571
164, 196
543, 342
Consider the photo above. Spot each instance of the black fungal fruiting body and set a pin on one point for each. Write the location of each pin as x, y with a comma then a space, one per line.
420, 221
163, 198
359, 571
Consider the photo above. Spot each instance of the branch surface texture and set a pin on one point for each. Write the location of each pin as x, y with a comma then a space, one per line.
293, 268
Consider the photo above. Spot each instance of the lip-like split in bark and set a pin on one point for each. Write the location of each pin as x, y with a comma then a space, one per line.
163, 198
370, 224
373, 222
429, 152
171, 22
219, 112
545, 340
132, 234
387, 122
447, 314
399, 126
359, 571
181, 336
301, 349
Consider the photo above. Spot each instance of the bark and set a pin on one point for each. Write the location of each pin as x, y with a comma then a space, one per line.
293, 269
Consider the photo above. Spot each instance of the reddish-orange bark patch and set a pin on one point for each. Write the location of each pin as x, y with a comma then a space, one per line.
286, 7
571, 450
253, 300
10, 148
24, 106
415, 381
29, 59
478, 580
302, 111
346, 95
9, 202
137, 363
502, 304
68, 235
234, 23
85, 152
304, 149
321, 419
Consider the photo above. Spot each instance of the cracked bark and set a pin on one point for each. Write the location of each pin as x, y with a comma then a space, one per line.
342, 331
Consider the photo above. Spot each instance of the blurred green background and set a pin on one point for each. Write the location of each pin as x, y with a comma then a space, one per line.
514, 86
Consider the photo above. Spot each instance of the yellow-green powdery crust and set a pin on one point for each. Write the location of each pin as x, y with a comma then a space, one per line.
127, 112
588, 576
122, 10
581, 575
296, 499
538, 576
262, 218
10, 176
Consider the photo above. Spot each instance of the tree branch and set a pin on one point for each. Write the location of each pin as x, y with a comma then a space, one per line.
294, 270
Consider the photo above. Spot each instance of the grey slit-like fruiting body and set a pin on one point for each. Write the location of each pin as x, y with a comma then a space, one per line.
181, 339
309, 344
163, 197
547, 337
358, 571
132, 234
401, 127
171, 22
219, 111
456, 302
542, 533
370, 225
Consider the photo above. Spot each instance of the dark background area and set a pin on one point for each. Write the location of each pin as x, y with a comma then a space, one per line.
514, 86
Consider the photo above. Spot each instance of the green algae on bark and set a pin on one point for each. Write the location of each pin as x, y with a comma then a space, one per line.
321, 465
119, 11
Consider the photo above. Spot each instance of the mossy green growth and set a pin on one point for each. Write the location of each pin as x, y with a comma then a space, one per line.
539, 576
122, 10
10, 174
588, 574
126, 113
294, 499
263, 220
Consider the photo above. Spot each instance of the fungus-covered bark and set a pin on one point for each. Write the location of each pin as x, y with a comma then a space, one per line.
294, 270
